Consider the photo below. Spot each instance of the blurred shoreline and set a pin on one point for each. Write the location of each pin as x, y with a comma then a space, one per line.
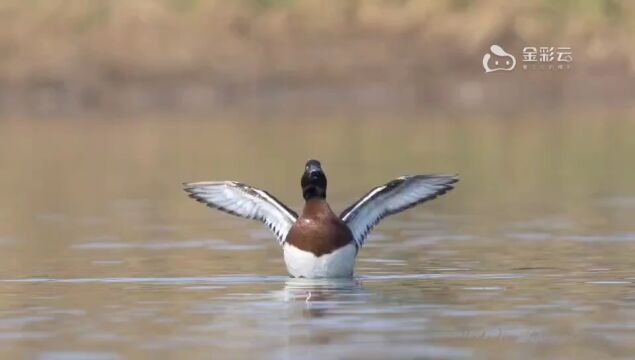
60, 58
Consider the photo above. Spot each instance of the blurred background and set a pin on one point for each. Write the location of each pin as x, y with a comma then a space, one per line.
63, 57
106, 107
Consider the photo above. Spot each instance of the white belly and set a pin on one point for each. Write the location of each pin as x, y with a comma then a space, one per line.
339, 263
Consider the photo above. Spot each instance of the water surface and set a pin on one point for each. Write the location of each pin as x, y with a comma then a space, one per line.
104, 257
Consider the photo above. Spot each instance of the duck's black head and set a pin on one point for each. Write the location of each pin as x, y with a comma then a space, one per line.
313, 180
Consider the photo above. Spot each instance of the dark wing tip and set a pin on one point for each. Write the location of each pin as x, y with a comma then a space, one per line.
448, 177
444, 183
454, 178
190, 188
187, 187
443, 180
199, 198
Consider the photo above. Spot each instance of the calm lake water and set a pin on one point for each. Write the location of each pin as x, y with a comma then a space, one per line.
104, 257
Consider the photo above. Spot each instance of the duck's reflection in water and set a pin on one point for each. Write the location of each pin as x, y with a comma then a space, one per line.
320, 295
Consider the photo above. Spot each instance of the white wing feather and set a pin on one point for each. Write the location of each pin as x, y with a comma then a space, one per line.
391, 198
245, 201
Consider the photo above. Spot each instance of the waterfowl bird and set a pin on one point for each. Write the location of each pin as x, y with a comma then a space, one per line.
318, 243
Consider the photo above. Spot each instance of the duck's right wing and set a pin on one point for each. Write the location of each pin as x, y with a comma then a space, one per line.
245, 201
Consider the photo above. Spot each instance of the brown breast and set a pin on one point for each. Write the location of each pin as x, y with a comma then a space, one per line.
318, 229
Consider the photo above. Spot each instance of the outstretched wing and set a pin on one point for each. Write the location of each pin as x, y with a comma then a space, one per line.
245, 201
391, 198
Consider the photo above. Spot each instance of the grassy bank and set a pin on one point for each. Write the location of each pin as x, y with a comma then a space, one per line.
60, 56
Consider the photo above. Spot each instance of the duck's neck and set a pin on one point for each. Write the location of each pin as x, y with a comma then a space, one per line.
316, 207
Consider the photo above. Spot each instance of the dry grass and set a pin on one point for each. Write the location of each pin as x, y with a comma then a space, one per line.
59, 54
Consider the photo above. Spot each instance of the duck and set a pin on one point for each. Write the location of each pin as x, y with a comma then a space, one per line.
318, 243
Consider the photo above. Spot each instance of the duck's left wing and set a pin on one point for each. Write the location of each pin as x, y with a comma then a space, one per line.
391, 198
245, 201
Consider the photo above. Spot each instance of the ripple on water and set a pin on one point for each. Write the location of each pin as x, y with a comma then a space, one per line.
211, 244
237, 279
388, 262
375, 347
23, 335
6, 240
484, 288
594, 238
77, 355
618, 202
338, 284
530, 236
609, 282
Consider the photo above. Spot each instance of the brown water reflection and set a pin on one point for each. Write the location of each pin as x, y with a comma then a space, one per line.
105, 257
